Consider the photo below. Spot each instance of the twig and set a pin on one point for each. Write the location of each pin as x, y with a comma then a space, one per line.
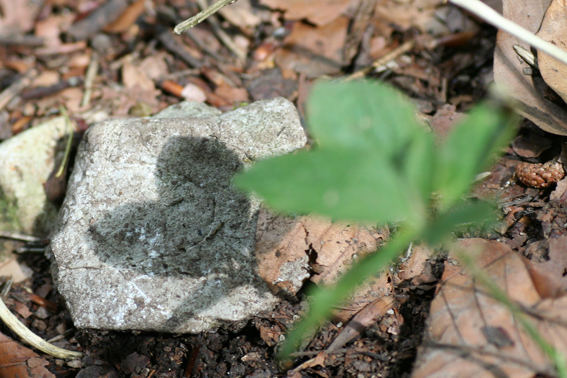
224, 38
201, 16
171, 44
402, 49
489, 15
16, 87
31, 338
19, 237
21, 40
89, 79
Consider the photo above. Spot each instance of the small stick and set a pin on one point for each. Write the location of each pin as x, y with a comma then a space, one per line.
19, 237
224, 38
89, 79
201, 16
489, 15
21, 40
402, 49
16, 87
31, 338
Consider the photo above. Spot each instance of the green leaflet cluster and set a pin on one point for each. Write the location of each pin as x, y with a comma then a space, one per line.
374, 162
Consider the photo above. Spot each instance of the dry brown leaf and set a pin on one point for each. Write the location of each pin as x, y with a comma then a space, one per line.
531, 144
133, 76
554, 29
549, 277
444, 119
19, 361
241, 14
314, 51
407, 14
10, 267
318, 12
415, 268
291, 251
305, 247
18, 16
51, 27
233, 95
509, 69
154, 66
470, 332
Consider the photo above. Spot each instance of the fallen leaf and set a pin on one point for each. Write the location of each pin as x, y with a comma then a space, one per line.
234, 95
406, 14
550, 277
531, 144
554, 29
18, 16
133, 76
509, 69
415, 267
469, 331
312, 50
318, 12
19, 361
270, 83
291, 250
241, 14
10, 267
154, 66
444, 119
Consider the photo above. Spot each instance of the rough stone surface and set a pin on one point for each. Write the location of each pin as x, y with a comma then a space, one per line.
26, 160
151, 235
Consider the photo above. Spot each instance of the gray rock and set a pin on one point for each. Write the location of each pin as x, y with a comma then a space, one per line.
26, 160
151, 235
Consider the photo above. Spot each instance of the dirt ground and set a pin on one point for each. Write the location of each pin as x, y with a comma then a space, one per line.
143, 67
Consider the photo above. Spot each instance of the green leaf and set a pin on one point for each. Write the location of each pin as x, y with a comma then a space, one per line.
361, 114
420, 163
355, 185
478, 213
471, 147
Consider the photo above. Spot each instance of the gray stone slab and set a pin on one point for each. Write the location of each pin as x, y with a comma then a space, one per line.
151, 235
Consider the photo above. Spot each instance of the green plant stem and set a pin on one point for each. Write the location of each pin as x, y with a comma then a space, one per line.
494, 18
497, 293
201, 16
324, 299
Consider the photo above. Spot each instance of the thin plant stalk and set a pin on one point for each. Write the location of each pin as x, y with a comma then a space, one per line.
323, 300
494, 18
201, 16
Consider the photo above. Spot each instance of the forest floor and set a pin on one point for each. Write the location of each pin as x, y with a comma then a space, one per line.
439, 56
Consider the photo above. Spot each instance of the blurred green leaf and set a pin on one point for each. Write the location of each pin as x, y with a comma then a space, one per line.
478, 213
361, 114
420, 163
374, 162
471, 147
358, 185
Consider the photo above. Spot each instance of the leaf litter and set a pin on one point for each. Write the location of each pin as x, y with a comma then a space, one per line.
289, 44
